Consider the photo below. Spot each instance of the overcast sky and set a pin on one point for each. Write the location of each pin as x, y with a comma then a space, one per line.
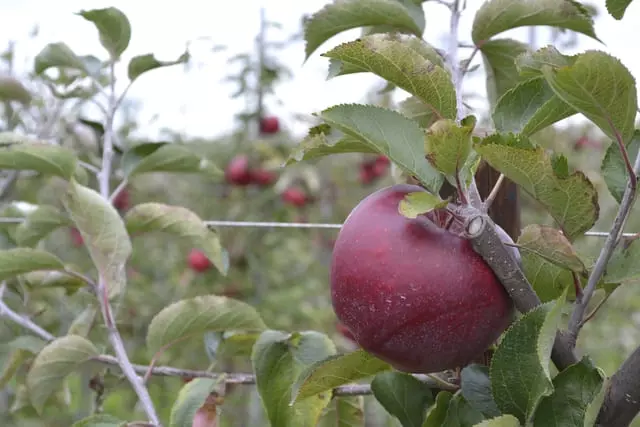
198, 102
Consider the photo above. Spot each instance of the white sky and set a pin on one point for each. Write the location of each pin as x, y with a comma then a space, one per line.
198, 102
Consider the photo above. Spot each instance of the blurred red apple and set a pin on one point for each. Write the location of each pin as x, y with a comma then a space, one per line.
269, 125
412, 293
198, 261
122, 201
237, 172
294, 196
263, 177
76, 237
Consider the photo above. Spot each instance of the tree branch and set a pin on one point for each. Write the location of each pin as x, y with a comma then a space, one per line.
628, 199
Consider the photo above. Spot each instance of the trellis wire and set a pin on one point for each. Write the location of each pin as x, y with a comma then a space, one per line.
316, 225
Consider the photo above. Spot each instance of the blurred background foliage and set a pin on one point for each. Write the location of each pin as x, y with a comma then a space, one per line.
281, 271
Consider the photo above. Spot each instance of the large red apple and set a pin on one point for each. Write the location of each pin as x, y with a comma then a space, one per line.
269, 125
198, 261
238, 172
411, 292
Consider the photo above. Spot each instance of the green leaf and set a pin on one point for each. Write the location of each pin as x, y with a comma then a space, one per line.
113, 27
14, 262
192, 397
195, 316
613, 168
100, 420
164, 157
497, 16
82, 324
401, 65
528, 107
499, 57
389, 133
550, 244
501, 421
419, 46
28, 343
571, 200
60, 358
345, 15
278, 359
519, 370
403, 396
418, 111
531, 63
436, 415
600, 87
419, 203
104, 234
335, 371
475, 386
321, 141
349, 411
575, 388
12, 362
57, 55
547, 279
182, 222
624, 264
11, 89
21, 154
448, 145
617, 8
39, 224
143, 63
461, 414
52, 279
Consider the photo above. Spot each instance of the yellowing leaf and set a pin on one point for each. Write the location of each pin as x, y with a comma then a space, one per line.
419, 203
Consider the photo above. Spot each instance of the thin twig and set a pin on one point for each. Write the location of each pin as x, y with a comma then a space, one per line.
494, 192
22, 320
107, 313
89, 167
628, 199
118, 189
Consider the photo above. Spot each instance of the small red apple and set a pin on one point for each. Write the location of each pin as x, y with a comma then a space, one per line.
76, 237
366, 175
412, 293
237, 172
263, 177
122, 201
383, 160
269, 125
294, 196
198, 261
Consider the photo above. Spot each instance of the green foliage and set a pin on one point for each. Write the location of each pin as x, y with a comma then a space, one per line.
404, 396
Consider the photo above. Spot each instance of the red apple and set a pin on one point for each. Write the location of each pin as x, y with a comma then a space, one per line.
383, 160
412, 293
269, 125
76, 237
263, 177
122, 201
294, 196
198, 261
367, 174
237, 172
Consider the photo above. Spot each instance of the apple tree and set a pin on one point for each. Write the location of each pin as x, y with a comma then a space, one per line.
449, 321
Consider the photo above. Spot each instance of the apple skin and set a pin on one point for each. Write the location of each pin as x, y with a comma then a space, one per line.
269, 125
238, 172
198, 261
294, 196
412, 293
123, 200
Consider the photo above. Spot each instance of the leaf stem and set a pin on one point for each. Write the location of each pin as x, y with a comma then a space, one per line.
494, 192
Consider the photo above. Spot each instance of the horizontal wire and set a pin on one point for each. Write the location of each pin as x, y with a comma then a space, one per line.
259, 224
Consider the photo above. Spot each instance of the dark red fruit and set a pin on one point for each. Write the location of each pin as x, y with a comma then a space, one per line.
269, 125
122, 201
76, 237
294, 196
198, 261
411, 292
366, 175
263, 177
237, 172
